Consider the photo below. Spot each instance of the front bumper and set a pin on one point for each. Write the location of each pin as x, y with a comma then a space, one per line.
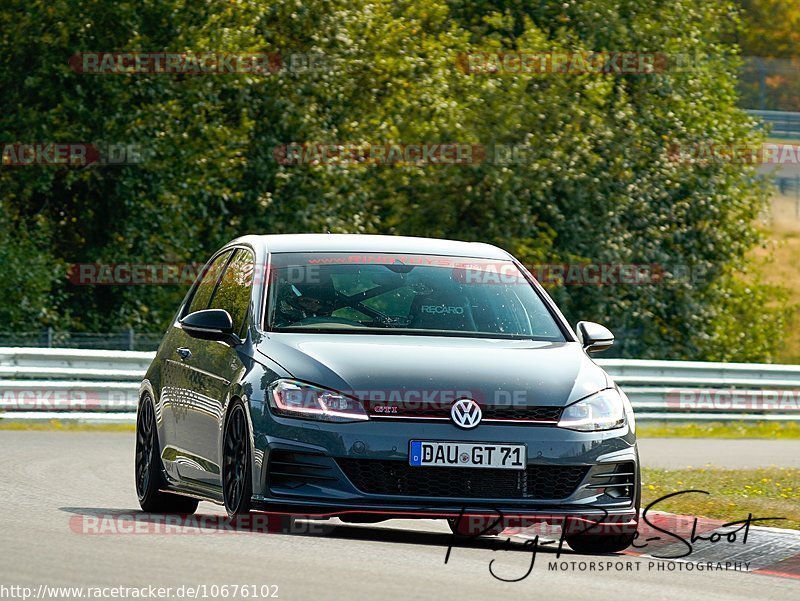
307, 468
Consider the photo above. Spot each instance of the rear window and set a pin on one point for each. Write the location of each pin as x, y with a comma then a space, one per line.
411, 294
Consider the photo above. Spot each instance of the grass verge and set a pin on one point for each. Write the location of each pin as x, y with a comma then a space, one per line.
765, 492
65, 426
771, 430
776, 263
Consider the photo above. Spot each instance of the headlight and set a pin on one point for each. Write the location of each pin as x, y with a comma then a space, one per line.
297, 399
604, 410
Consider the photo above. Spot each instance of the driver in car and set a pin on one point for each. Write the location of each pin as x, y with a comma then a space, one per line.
301, 301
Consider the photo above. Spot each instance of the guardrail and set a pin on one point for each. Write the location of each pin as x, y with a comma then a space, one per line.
103, 385
57, 383
783, 124
696, 390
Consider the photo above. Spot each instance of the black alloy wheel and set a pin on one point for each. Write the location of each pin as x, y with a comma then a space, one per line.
149, 476
237, 484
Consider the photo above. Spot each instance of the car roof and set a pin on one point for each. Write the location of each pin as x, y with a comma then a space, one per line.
368, 243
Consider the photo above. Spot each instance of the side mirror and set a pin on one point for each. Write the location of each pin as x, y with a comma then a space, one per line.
208, 324
594, 337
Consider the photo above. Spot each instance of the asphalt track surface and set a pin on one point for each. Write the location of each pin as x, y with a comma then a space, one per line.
676, 453
54, 483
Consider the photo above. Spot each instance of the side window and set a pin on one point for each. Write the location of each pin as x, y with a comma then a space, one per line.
204, 290
233, 292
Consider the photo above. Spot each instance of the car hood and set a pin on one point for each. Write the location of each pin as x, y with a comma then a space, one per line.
491, 371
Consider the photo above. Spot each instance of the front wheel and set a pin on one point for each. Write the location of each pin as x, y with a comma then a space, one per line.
149, 478
613, 543
237, 478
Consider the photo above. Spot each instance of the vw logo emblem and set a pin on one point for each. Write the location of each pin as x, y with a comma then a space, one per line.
466, 413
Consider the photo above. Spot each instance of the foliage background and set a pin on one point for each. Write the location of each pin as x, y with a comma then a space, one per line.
770, 79
597, 184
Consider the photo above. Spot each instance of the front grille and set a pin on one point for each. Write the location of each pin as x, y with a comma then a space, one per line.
398, 478
291, 469
378, 409
539, 414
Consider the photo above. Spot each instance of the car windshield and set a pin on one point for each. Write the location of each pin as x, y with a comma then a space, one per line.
406, 294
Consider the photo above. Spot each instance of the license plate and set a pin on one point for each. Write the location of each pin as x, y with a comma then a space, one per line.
467, 454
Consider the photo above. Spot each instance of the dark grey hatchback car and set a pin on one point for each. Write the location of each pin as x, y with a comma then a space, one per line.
371, 377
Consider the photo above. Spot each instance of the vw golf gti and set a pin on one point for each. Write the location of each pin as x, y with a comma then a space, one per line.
374, 377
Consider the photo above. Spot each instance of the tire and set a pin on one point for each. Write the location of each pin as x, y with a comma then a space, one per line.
237, 476
148, 469
613, 543
464, 528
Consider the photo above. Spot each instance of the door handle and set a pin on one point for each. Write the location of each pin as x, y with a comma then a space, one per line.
184, 353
